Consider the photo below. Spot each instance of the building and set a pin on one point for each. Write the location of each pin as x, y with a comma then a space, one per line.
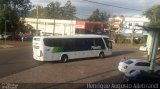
130, 24
83, 27
52, 26
65, 27
115, 23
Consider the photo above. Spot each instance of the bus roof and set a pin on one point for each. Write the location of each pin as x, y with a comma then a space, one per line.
76, 36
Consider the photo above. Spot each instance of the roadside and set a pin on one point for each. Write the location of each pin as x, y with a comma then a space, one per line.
11, 44
116, 46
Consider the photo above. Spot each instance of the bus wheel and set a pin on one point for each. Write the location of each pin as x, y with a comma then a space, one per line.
101, 55
64, 58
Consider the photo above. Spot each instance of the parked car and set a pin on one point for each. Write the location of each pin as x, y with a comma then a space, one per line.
1, 37
10, 37
5, 36
28, 37
131, 65
141, 76
144, 48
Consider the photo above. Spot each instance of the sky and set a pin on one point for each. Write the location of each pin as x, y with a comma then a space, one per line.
85, 8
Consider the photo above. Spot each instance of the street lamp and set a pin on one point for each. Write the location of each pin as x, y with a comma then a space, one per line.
37, 21
5, 30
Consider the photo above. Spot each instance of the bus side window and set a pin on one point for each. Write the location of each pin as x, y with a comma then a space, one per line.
88, 43
99, 42
94, 43
47, 42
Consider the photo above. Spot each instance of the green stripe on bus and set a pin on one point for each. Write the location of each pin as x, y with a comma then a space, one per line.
57, 49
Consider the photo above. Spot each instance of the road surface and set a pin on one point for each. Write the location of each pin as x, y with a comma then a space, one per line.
17, 66
14, 60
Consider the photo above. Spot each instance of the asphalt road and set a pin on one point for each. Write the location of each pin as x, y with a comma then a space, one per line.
18, 66
13, 60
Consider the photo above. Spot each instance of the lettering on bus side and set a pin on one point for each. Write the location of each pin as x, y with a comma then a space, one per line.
95, 47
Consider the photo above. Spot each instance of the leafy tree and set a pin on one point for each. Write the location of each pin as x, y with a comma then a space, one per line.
69, 11
153, 14
95, 16
12, 10
104, 16
3, 13
54, 10
98, 16
42, 12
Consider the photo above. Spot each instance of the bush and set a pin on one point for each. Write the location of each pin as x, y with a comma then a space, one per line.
122, 39
143, 40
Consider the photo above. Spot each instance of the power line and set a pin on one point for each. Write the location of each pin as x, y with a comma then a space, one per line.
112, 5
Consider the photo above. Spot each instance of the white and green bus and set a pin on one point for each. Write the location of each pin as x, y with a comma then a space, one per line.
52, 48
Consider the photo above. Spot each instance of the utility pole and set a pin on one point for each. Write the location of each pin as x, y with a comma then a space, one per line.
154, 35
37, 22
54, 26
153, 49
5, 36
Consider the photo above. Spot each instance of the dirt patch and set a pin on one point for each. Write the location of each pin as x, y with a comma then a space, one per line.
115, 46
16, 43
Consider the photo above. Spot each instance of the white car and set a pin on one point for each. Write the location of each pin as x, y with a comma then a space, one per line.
0, 36
4, 36
144, 48
131, 65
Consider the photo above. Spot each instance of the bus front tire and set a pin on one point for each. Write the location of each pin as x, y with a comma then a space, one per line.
64, 58
101, 55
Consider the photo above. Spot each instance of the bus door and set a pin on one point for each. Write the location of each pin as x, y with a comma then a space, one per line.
108, 46
97, 46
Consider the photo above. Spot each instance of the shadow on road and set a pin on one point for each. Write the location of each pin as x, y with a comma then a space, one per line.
73, 85
113, 82
74, 60
119, 53
7, 69
114, 54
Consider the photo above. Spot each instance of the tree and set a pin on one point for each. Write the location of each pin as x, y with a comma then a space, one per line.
54, 10
95, 16
104, 16
3, 13
98, 16
12, 10
153, 14
69, 11
42, 12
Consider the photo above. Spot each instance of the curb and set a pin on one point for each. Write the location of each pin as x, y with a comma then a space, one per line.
6, 46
